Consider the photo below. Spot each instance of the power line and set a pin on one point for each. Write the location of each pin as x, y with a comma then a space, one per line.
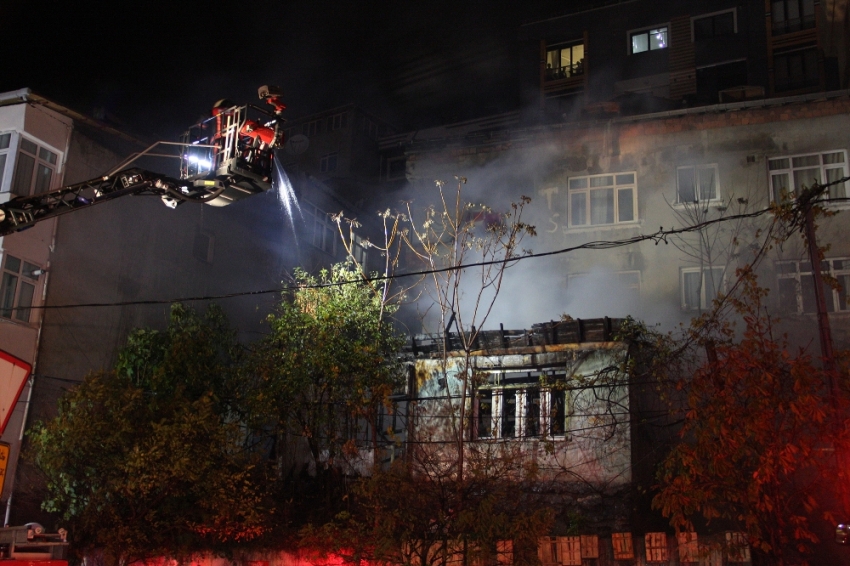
659, 236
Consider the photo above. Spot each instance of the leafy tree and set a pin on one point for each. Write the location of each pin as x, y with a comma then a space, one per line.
758, 418
323, 373
149, 460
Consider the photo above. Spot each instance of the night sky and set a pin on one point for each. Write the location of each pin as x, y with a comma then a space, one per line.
155, 67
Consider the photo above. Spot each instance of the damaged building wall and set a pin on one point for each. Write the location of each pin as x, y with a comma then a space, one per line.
622, 178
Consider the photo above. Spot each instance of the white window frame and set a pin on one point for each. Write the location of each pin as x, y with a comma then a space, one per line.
7, 147
647, 30
521, 390
837, 267
588, 189
321, 228
704, 299
329, 162
697, 169
16, 148
359, 250
823, 168
24, 274
713, 14
370, 128
312, 128
337, 121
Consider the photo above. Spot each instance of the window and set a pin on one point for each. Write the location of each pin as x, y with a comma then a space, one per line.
602, 199
396, 168
516, 405
715, 25
358, 250
312, 128
697, 183
794, 70
656, 547
34, 169
564, 61
792, 15
203, 246
796, 285
788, 175
5, 140
700, 286
337, 121
321, 229
370, 128
648, 39
328, 162
17, 288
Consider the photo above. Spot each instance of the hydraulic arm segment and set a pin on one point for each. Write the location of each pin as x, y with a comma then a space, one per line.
223, 159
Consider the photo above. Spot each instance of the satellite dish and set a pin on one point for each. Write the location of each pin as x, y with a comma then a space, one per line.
14, 374
297, 144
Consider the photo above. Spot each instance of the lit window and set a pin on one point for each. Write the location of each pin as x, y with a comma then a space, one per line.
714, 25
602, 199
700, 287
17, 288
697, 183
796, 285
649, 40
328, 162
564, 61
792, 15
34, 169
794, 70
788, 175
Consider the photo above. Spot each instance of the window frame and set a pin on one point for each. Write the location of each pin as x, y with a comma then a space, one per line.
524, 393
7, 170
318, 217
390, 176
328, 162
696, 167
646, 31
822, 167
588, 203
338, 121
704, 300
806, 83
575, 69
312, 128
803, 268
15, 148
12, 312
714, 15
802, 26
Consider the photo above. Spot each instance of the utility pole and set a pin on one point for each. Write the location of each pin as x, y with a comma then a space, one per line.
824, 331
806, 201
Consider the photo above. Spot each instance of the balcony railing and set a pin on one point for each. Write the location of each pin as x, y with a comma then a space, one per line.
566, 72
795, 24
